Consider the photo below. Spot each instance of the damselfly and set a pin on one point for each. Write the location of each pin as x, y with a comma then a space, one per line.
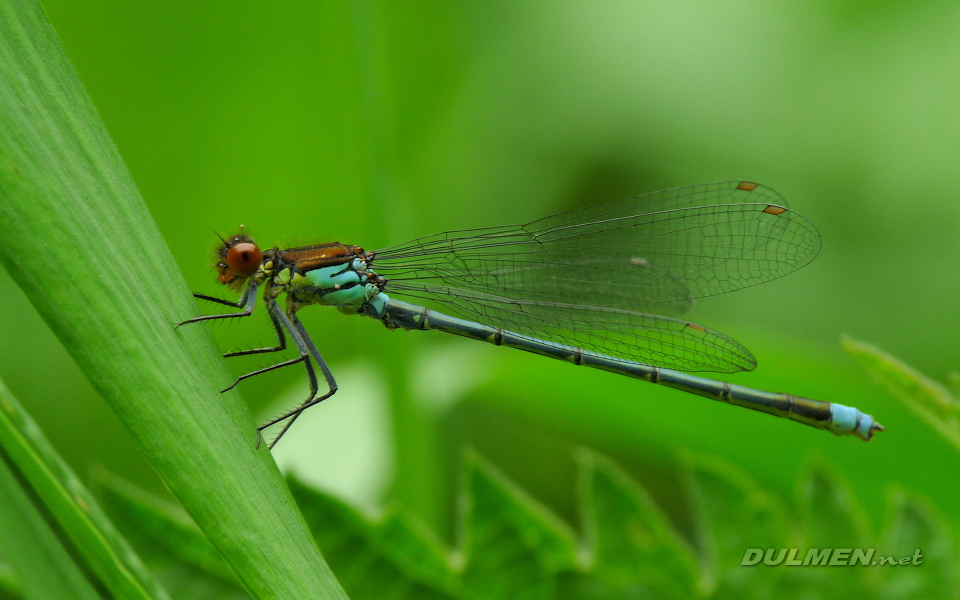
602, 287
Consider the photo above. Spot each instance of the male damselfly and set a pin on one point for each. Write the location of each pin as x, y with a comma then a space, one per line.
602, 286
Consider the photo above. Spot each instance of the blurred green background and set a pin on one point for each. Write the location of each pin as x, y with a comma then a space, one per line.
376, 123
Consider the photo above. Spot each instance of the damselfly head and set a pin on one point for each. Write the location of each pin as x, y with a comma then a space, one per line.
237, 259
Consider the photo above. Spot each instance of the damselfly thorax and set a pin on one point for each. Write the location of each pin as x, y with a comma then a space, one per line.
604, 286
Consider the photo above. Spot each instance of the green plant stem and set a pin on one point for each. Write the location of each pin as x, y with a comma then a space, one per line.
76, 237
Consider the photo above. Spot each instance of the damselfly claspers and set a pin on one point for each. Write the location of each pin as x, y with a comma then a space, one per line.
602, 287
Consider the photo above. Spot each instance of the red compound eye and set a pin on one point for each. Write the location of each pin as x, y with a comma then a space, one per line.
244, 258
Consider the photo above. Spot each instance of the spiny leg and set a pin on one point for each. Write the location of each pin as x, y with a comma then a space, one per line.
280, 322
281, 341
303, 342
248, 301
216, 300
295, 334
311, 401
302, 358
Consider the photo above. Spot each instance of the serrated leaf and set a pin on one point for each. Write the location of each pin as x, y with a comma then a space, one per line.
415, 549
513, 547
831, 519
633, 551
931, 401
732, 514
917, 532
389, 557
829, 511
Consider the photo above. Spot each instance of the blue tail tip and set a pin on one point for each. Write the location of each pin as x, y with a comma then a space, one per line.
846, 420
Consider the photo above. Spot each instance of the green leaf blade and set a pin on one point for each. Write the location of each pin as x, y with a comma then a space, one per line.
732, 514
76, 237
920, 533
513, 546
634, 550
931, 401
102, 548
390, 556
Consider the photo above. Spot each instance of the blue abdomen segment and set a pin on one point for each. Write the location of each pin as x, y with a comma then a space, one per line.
849, 420
345, 286
330, 278
836, 418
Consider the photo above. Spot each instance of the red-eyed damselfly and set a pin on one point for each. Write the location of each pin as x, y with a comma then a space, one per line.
603, 287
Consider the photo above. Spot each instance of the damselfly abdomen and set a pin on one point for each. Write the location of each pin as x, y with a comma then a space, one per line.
602, 287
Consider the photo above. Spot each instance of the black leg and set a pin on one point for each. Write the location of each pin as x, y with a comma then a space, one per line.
300, 338
278, 315
331, 383
312, 400
279, 365
305, 344
281, 341
280, 321
247, 302
216, 300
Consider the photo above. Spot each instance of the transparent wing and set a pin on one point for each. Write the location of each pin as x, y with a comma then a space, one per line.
610, 278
